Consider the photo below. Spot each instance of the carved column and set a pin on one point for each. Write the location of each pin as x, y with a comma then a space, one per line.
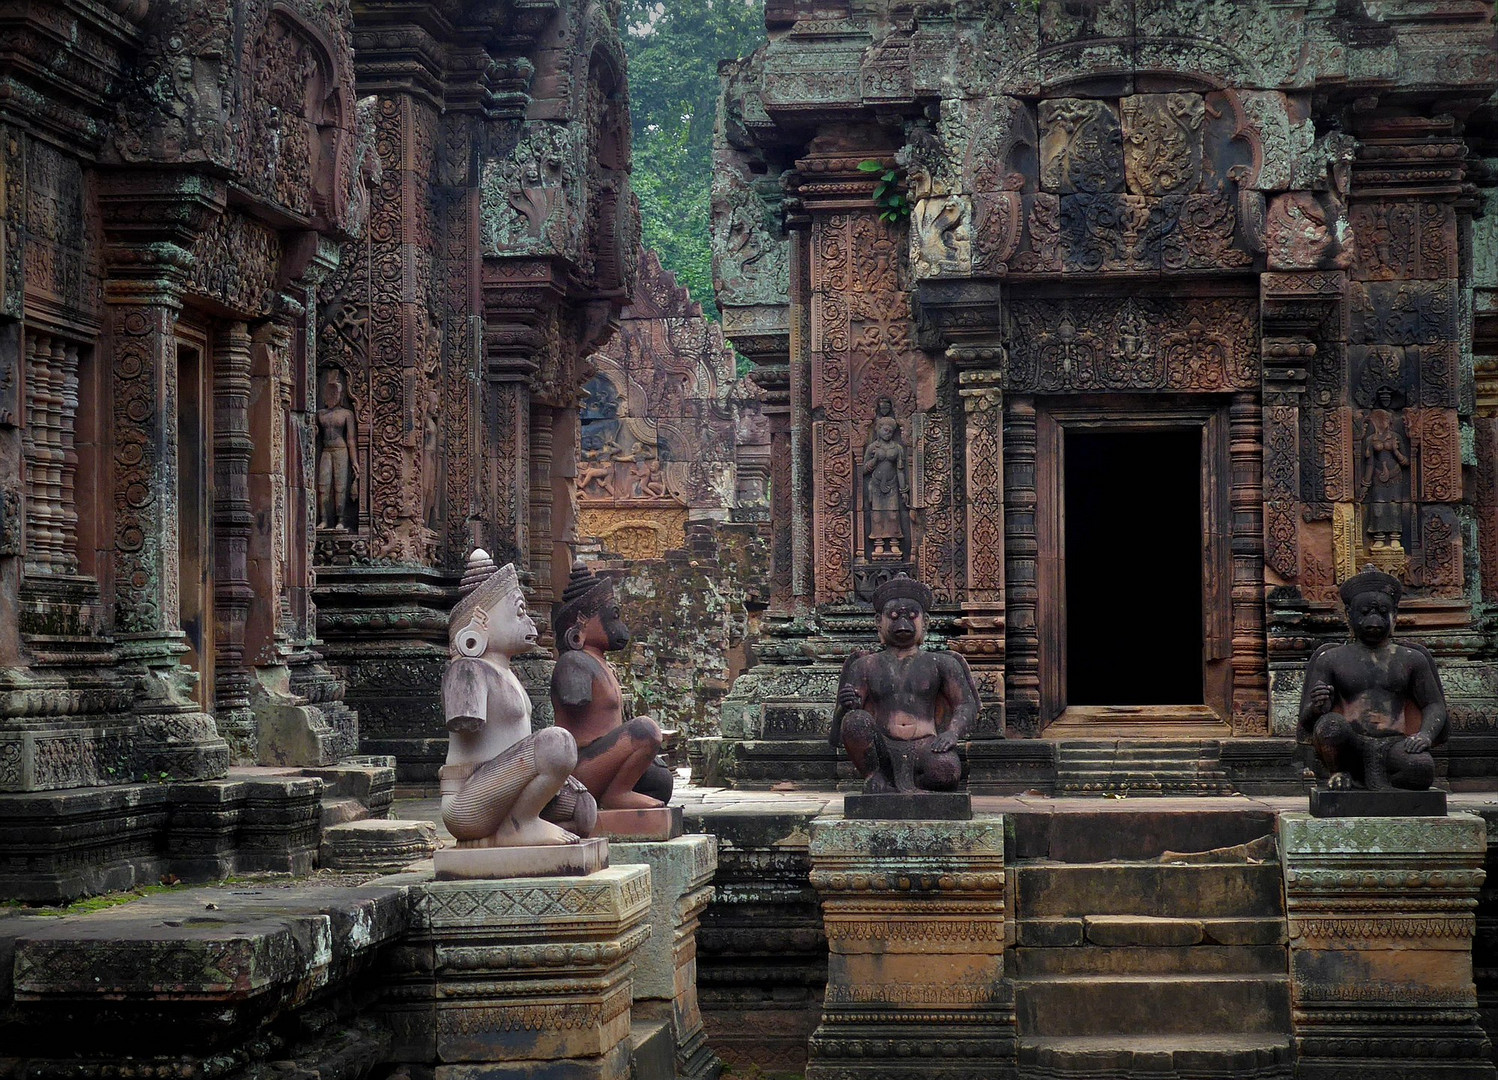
1245, 464
983, 607
150, 222
233, 520
539, 556
1021, 567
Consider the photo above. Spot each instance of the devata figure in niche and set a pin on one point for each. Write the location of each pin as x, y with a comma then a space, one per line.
337, 473
900, 711
1385, 459
615, 759
886, 490
502, 786
1357, 695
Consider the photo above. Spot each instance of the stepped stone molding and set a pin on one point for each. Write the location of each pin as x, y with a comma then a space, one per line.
524, 973
914, 914
1381, 920
665, 973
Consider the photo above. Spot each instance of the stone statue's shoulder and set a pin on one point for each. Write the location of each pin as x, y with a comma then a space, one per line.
857, 657
572, 678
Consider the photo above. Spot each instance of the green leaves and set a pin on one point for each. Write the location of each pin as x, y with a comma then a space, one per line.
889, 195
674, 49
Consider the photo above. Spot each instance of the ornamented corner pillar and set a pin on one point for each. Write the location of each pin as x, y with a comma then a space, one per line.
150, 222
233, 523
1381, 920
914, 914
982, 395
665, 976
530, 975
1021, 566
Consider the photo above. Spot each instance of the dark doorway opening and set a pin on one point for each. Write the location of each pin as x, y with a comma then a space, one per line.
1133, 567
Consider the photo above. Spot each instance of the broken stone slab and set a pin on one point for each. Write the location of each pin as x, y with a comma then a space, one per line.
910, 806
376, 845
542, 860
1327, 803
656, 823
204, 964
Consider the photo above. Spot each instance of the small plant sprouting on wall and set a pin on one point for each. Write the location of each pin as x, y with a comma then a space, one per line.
888, 195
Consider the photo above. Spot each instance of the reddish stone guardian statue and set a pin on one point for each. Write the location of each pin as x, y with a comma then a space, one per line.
615, 758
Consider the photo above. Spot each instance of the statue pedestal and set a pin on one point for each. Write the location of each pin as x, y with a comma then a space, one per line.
1326, 803
529, 973
665, 978
1381, 919
657, 823
542, 860
914, 915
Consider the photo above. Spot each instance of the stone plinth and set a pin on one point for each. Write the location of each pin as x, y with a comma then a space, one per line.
914, 914
1381, 919
529, 973
657, 823
543, 860
665, 979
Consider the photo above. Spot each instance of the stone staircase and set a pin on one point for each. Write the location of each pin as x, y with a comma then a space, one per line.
1164, 961
1141, 767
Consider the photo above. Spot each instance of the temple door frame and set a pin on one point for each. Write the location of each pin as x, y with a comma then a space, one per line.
1115, 413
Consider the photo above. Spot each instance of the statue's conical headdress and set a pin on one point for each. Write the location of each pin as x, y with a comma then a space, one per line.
585, 595
1371, 580
482, 585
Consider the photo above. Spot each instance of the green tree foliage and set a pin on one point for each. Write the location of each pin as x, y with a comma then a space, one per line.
674, 47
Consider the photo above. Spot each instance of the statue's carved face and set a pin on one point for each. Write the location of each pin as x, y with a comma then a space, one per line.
511, 629
1372, 617
902, 624
884, 429
605, 630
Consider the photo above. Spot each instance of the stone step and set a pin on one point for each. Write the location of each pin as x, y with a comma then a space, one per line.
1203, 1057
1214, 890
1118, 830
652, 1050
1158, 1004
342, 811
1204, 959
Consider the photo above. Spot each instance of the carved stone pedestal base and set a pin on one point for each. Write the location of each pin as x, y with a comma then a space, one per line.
665, 979
659, 823
1381, 923
531, 974
1327, 803
547, 860
914, 914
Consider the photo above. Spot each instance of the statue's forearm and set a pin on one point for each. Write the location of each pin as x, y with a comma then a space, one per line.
1433, 721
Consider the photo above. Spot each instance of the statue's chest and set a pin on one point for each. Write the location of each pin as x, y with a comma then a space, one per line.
917, 676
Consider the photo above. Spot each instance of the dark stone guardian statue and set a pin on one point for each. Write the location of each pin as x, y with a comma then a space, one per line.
1357, 696
901, 711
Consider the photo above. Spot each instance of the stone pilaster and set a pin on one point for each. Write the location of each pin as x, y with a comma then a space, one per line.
531, 975
914, 913
1381, 919
151, 222
665, 978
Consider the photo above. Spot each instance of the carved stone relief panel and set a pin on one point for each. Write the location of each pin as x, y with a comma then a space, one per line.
1133, 343
58, 265
1081, 147
1162, 143
1404, 239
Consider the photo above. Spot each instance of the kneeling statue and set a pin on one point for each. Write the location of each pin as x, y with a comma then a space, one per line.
900, 711
616, 759
502, 786
1353, 706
